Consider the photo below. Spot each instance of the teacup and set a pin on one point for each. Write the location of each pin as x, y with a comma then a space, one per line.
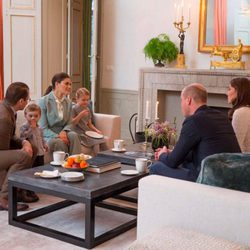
142, 164
59, 156
119, 145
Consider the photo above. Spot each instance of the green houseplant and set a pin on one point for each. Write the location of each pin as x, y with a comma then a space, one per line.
161, 50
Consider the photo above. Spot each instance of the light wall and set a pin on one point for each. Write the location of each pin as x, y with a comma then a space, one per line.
129, 24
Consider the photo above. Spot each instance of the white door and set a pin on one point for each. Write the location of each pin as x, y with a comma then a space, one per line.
75, 33
22, 43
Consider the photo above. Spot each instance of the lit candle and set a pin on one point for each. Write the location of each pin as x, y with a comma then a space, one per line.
147, 109
156, 110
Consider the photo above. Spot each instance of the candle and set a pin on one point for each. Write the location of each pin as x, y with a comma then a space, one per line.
189, 8
182, 7
147, 109
177, 13
156, 110
175, 8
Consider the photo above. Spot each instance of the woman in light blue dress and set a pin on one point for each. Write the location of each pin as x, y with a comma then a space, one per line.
56, 111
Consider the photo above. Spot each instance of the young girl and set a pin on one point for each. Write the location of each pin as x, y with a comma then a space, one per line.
81, 120
33, 133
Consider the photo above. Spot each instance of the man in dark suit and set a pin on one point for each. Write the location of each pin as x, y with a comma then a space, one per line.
205, 131
15, 154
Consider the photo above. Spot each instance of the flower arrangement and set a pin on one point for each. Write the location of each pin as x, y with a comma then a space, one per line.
162, 134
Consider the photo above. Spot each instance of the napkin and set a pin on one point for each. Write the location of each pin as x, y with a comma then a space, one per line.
49, 173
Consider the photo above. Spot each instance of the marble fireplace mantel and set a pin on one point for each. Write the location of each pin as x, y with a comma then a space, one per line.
153, 80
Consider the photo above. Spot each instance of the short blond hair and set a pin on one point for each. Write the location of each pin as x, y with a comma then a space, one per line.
82, 91
31, 107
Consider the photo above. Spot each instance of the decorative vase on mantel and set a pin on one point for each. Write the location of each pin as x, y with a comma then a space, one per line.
159, 143
159, 64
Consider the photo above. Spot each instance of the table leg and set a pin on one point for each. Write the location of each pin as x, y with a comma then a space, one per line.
89, 224
12, 197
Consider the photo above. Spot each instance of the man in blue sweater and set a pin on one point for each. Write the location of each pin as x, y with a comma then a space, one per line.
205, 131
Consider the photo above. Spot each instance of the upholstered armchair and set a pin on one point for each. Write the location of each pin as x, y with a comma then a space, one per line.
110, 125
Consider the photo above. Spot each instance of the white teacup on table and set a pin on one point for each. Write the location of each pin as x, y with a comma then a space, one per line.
119, 145
59, 157
142, 164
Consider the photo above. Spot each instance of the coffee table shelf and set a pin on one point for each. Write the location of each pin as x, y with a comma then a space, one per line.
92, 192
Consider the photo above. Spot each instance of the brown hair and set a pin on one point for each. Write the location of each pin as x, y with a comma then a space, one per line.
32, 107
16, 91
58, 78
242, 87
82, 91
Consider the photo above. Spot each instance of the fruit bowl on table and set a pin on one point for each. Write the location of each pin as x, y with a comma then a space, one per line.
76, 162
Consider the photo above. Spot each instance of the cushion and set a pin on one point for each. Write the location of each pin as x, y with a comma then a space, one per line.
227, 170
180, 239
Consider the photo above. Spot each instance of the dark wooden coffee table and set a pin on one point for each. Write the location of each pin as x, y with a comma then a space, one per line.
92, 192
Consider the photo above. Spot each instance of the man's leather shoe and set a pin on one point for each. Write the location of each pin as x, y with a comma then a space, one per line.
4, 205
32, 194
24, 196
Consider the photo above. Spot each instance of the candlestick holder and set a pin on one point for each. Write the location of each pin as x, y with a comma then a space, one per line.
157, 120
180, 27
145, 132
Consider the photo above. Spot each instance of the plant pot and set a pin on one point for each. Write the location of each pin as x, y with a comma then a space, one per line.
159, 64
159, 143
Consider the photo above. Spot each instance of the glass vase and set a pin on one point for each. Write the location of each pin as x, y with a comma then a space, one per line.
159, 143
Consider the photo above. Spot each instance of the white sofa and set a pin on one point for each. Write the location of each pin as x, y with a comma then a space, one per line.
175, 214
110, 125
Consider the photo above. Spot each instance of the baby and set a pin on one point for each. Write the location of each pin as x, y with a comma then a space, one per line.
31, 132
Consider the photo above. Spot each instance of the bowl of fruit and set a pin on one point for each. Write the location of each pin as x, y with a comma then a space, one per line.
76, 162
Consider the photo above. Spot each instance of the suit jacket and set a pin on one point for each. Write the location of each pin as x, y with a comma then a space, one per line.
7, 128
50, 122
206, 132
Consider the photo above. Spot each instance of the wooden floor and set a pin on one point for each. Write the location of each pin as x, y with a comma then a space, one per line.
70, 220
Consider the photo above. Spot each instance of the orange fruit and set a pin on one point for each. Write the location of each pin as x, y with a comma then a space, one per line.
70, 161
83, 164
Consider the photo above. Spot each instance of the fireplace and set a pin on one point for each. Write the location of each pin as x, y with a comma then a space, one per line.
164, 85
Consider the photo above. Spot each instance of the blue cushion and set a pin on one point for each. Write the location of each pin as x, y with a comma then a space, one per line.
227, 170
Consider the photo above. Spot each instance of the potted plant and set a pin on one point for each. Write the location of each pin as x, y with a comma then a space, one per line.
161, 50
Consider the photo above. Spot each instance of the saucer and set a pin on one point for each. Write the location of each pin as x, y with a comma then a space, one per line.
54, 163
119, 150
93, 134
129, 172
72, 176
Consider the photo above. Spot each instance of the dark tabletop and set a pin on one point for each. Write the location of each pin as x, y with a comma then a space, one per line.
93, 185
133, 151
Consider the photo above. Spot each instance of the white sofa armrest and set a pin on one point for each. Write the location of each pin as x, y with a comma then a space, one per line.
168, 202
110, 125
